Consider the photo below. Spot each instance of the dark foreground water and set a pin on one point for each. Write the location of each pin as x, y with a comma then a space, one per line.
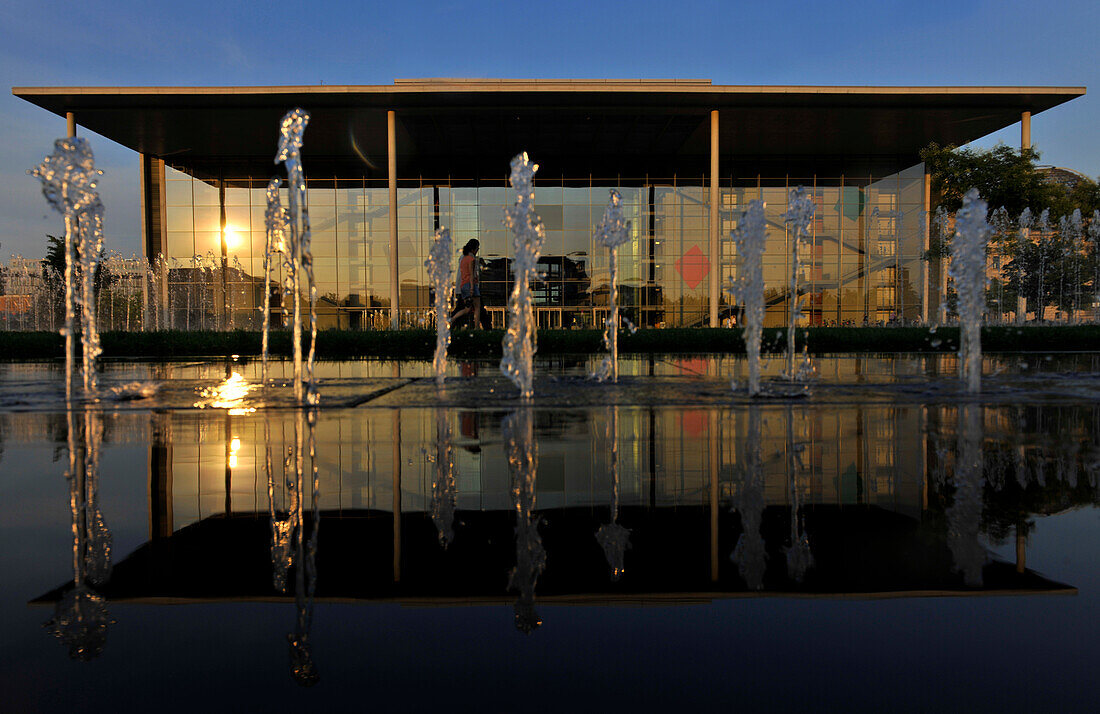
881, 543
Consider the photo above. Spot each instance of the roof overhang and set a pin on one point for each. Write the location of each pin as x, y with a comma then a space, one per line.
471, 128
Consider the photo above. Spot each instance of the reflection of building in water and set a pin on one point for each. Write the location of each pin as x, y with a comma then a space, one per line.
873, 522
851, 456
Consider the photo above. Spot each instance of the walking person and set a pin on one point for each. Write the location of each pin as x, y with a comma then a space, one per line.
469, 285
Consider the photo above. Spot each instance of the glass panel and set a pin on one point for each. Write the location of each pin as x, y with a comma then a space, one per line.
236, 196
208, 218
181, 243
238, 218
322, 217
179, 218
205, 194
208, 242
178, 193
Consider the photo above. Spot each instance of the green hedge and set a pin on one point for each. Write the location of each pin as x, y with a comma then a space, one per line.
334, 344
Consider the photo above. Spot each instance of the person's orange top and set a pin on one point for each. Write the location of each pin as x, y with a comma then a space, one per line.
467, 275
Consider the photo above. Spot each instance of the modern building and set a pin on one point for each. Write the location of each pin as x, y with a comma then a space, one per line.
387, 165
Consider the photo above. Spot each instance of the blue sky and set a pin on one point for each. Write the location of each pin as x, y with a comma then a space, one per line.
201, 43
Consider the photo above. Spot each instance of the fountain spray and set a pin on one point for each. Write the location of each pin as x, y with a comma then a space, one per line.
527, 236
69, 182
613, 537
518, 429
1023, 238
277, 239
439, 272
611, 232
445, 484
968, 263
1094, 238
1044, 230
750, 236
964, 514
298, 259
800, 556
800, 212
750, 553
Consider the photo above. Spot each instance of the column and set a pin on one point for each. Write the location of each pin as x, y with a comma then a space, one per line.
146, 236
153, 228
1025, 130
391, 150
70, 125
715, 257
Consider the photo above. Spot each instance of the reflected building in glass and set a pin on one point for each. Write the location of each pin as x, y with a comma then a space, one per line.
686, 155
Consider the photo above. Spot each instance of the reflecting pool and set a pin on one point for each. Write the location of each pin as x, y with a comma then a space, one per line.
191, 540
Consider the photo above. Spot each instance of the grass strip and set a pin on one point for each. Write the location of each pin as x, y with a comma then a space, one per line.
420, 344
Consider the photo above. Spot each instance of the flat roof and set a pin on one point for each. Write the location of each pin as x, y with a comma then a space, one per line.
470, 128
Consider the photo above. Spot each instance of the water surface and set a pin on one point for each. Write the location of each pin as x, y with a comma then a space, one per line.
879, 543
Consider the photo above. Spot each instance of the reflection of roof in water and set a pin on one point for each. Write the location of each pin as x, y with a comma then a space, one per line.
857, 551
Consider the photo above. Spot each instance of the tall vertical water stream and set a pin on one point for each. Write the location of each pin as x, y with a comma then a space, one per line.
527, 236
612, 231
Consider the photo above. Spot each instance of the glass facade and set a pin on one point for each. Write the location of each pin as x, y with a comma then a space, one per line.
863, 263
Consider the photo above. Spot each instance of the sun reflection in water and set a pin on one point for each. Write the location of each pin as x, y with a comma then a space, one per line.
234, 447
230, 395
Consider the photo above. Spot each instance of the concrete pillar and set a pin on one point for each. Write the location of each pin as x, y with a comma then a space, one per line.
1025, 130
154, 229
70, 124
391, 150
715, 227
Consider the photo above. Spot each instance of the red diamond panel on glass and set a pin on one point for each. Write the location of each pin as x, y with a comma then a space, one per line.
693, 266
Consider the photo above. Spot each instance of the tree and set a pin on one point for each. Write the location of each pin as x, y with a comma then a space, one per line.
1067, 273
55, 254
1062, 266
1003, 176
53, 274
55, 261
